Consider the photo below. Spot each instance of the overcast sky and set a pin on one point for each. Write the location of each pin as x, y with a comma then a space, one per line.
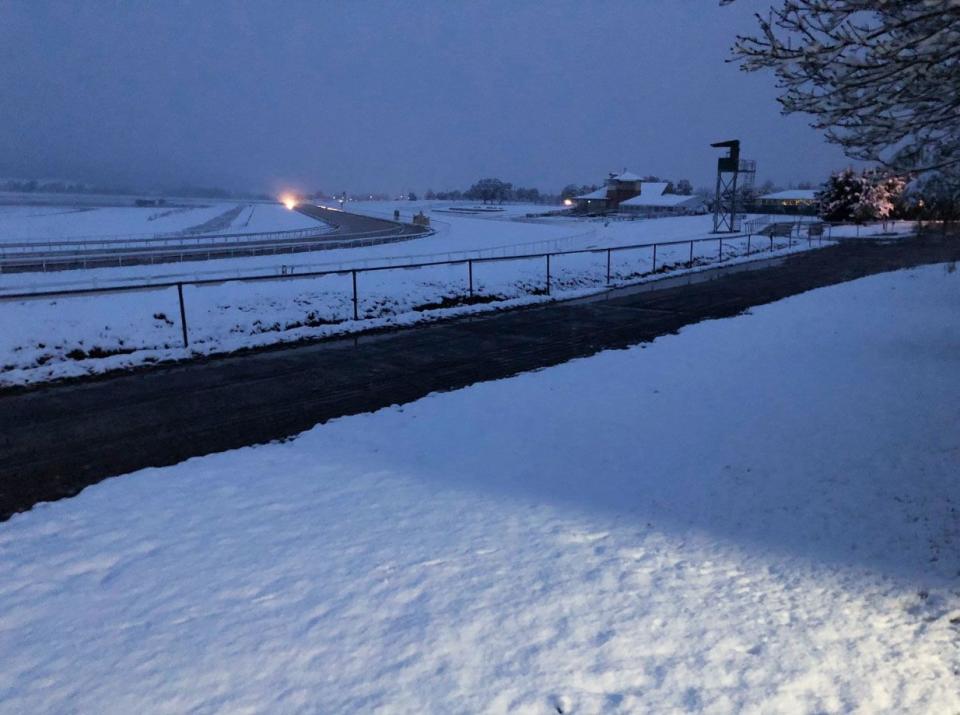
392, 96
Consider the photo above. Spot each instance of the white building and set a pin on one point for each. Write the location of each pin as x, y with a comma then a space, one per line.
790, 198
652, 201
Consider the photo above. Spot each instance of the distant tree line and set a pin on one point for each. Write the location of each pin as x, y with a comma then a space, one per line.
53, 187
571, 190
57, 186
493, 191
497, 191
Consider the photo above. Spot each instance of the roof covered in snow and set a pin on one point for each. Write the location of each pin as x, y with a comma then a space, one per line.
792, 194
653, 188
626, 176
598, 194
668, 200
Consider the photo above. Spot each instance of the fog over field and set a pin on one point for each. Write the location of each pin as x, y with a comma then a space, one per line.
386, 96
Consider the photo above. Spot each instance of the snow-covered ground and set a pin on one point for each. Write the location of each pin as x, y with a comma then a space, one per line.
265, 218
50, 338
756, 515
457, 236
36, 224
66, 336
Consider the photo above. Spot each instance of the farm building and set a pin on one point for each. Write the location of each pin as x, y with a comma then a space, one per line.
617, 188
652, 201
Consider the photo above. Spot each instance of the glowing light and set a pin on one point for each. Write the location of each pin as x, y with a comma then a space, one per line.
289, 201
568, 202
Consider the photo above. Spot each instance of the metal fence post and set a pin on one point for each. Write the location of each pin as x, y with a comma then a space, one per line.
771, 242
654, 269
356, 311
548, 274
608, 266
748, 243
720, 251
470, 276
691, 254
183, 315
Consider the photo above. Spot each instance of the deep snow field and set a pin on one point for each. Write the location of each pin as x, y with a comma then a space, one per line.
756, 515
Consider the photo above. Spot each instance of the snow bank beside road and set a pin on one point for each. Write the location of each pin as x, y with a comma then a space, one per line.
755, 515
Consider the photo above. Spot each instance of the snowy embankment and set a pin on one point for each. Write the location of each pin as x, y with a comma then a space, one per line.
755, 515
51, 338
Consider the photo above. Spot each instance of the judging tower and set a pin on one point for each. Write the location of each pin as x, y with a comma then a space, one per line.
735, 177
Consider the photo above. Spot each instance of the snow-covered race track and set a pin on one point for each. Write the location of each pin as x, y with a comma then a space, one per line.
334, 230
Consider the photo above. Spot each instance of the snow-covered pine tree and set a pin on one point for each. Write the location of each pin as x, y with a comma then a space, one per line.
841, 194
934, 197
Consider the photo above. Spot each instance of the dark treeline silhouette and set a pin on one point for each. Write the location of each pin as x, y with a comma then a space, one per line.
493, 190
58, 186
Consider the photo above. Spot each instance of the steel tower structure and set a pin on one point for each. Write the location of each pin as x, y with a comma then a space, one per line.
735, 176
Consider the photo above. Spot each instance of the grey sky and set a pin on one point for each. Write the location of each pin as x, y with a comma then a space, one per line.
388, 96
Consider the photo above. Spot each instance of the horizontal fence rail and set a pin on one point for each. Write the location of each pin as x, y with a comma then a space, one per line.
795, 222
200, 248
512, 250
88, 242
757, 241
185, 242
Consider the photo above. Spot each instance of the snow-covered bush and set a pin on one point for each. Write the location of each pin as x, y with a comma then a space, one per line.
934, 196
868, 196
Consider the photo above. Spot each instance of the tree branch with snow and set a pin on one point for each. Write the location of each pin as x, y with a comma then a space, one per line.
880, 77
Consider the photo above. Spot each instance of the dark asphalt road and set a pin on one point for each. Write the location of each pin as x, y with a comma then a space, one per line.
350, 223
58, 439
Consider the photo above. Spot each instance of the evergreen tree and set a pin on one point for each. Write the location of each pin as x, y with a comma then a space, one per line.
869, 196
